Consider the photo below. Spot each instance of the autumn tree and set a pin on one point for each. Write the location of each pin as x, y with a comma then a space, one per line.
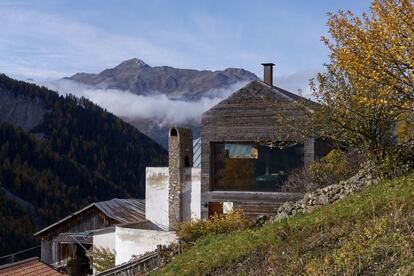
366, 93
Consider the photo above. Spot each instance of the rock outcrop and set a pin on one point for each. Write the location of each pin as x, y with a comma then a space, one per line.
21, 111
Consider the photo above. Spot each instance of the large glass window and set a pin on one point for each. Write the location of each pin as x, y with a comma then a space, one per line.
253, 167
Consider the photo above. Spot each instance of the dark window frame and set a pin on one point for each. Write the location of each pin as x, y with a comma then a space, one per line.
212, 166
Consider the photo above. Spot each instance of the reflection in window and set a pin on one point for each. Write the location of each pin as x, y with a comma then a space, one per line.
241, 150
252, 167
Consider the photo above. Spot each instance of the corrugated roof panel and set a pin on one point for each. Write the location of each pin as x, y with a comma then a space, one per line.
123, 210
197, 153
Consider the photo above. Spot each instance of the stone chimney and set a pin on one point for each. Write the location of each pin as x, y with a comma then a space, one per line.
268, 73
180, 152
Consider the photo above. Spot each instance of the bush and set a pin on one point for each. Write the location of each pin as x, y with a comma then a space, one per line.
337, 165
297, 181
101, 258
190, 231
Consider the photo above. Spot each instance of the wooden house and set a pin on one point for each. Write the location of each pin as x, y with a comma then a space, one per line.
69, 238
239, 170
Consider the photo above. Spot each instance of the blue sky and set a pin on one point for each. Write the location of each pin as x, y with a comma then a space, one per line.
51, 39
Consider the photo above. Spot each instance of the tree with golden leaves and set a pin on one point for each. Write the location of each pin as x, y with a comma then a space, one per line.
367, 91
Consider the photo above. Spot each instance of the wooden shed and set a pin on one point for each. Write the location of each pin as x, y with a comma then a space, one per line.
69, 238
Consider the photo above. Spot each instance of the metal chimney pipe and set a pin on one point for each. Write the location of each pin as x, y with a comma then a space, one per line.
268, 73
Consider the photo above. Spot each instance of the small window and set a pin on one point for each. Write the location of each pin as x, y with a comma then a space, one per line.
186, 162
173, 132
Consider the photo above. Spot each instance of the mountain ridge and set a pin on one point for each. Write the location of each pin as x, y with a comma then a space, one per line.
136, 76
190, 85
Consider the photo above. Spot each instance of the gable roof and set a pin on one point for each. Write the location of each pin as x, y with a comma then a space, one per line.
121, 210
258, 89
29, 267
257, 111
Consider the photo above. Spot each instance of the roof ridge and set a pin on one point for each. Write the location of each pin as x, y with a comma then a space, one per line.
102, 206
284, 92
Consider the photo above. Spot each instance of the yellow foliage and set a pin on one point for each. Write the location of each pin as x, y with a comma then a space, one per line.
369, 83
334, 167
377, 49
190, 231
405, 130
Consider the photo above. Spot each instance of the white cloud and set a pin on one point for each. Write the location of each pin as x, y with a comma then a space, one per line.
131, 106
41, 44
31, 41
44, 44
296, 82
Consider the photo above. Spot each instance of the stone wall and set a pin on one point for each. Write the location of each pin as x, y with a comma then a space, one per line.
315, 199
180, 154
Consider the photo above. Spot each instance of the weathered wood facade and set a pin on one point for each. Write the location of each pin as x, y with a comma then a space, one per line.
55, 247
92, 218
251, 114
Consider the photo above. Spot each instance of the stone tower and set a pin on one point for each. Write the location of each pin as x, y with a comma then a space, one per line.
180, 152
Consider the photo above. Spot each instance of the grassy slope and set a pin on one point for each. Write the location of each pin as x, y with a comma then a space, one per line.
370, 232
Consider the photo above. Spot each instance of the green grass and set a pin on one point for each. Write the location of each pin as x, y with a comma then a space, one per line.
370, 232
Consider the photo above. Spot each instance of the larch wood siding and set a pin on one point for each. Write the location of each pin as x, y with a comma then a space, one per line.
251, 114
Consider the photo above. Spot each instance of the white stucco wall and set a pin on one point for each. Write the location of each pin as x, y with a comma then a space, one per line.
156, 196
105, 240
127, 242
131, 242
191, 194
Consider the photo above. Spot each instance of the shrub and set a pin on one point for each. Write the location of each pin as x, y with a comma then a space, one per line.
101, 258
337, 165
190, 231
298, 181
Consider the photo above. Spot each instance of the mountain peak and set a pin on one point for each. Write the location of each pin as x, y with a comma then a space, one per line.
136, 76
133, 62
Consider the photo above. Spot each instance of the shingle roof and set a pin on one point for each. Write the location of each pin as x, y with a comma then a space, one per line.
28, 267
121, 210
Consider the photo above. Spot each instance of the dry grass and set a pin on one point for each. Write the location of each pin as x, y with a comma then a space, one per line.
369, 233
193, 230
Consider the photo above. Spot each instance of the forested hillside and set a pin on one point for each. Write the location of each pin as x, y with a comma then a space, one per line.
77, 154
